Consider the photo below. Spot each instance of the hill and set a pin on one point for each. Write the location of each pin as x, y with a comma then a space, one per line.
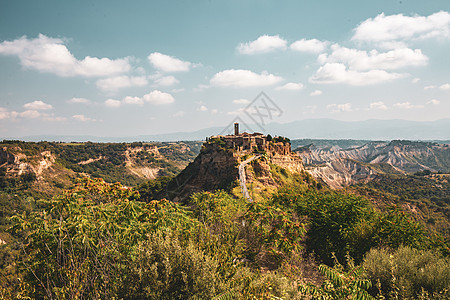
340, 167
48, 166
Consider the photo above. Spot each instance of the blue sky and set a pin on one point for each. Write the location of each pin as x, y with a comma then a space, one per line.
125, 68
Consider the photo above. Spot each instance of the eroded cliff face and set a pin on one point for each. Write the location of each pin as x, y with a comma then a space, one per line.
17, 163
342, 167
216, 167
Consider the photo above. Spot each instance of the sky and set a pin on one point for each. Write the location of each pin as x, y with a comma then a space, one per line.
127, 68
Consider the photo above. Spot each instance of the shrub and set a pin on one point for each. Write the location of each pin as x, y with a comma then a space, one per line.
164, 268
408, 272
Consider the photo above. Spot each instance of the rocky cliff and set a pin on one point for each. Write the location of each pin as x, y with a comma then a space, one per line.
216, 167
342, 167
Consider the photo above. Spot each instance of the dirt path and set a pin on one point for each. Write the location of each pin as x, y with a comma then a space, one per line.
242, 177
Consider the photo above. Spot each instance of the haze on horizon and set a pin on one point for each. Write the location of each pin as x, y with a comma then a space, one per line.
111, 68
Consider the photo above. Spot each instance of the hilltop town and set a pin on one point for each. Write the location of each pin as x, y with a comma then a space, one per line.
246, 143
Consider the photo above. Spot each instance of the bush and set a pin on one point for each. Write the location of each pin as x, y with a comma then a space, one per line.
407, 272
164, 268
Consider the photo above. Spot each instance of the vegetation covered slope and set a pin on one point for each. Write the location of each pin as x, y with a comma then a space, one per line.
297, 240
99, 241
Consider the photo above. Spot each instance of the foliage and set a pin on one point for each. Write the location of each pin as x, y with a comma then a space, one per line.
408, 273
340, 284
152, 189
274, 228
81, 244
344, 223
164, 268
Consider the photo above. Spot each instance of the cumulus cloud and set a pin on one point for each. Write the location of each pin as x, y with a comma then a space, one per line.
158, 97
316, 93
389, 31
311, 46
445, 87
166, 81
433, 102
82, 118
363, 61
335, 108
155, 97
407, 105
79, 100
241, 101
168, 63
429, 87
112, 103
291, 86
50, 55
243, 78
4, 113
30, 114
378, 105
37, 105
263, 44
133, 100
202, 108
331, 73
415, 80
115, 83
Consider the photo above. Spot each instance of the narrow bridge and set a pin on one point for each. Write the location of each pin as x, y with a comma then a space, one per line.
242, 177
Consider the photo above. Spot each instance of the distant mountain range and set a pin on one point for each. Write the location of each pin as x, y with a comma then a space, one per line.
303, 129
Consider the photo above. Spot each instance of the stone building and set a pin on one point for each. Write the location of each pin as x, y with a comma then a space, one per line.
245, 142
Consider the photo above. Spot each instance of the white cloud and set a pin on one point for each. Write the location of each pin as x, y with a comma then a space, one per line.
335, 108
389, 30
4, 113
338, 73
241, 101
178, 114
311, 46
415, 80
202, 108
119, 82
263, 44
243, 78
407, 105
429, 87
30, 114
79, 100
433, 102
82, 118
133, 100
112, 103
37, 105
291, 86
53, 118
52, 56
158, 97
445, 87
378, 105
166, 81
168, 63
214, 111
362, 60
316, 93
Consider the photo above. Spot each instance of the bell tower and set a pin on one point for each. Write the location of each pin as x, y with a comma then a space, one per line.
236, 128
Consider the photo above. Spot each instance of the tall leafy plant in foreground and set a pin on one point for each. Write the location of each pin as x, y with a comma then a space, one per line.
82, 243
344, 223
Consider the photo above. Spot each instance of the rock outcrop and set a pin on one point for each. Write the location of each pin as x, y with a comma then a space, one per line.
342, 167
